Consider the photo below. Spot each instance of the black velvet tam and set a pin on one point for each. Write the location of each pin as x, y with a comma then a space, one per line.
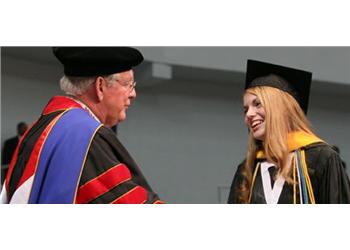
97, 61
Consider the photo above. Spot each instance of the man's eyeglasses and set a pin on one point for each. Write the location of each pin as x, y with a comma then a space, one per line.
130, 86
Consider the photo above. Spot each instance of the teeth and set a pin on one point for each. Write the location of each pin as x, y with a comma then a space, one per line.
256, 123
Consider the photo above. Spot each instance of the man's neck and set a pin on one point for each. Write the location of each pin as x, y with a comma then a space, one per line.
85, 105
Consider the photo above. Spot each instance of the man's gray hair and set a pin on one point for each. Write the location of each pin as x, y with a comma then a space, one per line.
75, 85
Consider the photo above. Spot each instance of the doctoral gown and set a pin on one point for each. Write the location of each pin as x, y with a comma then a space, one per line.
68, 156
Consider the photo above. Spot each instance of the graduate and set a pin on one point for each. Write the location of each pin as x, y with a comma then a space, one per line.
286, 161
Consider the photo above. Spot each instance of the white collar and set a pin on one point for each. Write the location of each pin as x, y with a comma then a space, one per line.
84, 107
272, 195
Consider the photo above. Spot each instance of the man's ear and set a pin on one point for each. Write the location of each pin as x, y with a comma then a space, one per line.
100, 86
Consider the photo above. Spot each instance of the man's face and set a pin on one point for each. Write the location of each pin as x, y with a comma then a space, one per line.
118, 97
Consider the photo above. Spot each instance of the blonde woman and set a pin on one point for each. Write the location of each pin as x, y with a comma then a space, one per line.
286, 162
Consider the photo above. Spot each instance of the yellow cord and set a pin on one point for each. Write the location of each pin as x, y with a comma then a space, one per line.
294, 182
307, 178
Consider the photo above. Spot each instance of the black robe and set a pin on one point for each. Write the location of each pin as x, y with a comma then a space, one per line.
329, 180
108, 174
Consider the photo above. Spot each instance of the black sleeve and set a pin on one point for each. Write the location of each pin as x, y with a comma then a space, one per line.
334, 184
106, 152
233, 197
329, 180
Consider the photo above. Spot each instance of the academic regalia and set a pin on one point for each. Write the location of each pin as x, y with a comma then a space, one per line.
329, 181
68, 156
295, 82
317, 171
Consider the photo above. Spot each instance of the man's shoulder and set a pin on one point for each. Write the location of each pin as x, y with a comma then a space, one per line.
79, 117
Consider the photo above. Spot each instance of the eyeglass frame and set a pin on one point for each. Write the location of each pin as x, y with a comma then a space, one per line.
130, 86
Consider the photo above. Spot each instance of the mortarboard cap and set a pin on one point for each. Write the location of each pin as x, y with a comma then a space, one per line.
95, 61
293, 81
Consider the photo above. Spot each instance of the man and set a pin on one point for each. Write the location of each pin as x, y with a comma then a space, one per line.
9, 149
70, 154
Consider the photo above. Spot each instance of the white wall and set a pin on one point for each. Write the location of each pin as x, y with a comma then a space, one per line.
330, 64
25, 89
188, 137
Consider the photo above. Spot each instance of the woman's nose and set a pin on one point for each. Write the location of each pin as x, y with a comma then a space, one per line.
250, 112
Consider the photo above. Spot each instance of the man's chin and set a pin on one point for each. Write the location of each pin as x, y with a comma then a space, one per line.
115, 122
121, 118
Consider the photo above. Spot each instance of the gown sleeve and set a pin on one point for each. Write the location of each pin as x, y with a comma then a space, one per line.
334, 184
110, 175
233, 197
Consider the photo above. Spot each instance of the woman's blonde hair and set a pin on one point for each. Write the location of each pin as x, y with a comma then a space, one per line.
282, 116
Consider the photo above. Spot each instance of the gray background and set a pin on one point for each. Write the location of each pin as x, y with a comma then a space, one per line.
187, 132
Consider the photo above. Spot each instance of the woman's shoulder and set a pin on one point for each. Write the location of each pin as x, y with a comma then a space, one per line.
321, 156
320, 149
240, 167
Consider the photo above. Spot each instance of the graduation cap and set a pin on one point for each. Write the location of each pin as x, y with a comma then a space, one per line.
95, 61
293, 81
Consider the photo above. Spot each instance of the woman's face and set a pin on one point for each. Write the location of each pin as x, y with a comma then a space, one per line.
254, 115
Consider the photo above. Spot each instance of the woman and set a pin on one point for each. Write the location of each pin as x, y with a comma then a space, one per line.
286, 162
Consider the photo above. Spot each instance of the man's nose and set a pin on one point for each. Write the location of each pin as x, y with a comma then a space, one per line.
132, 94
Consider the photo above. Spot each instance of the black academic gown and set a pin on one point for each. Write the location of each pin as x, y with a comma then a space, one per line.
328, 177
108, 172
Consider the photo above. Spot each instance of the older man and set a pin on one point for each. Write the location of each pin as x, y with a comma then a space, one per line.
70, 154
